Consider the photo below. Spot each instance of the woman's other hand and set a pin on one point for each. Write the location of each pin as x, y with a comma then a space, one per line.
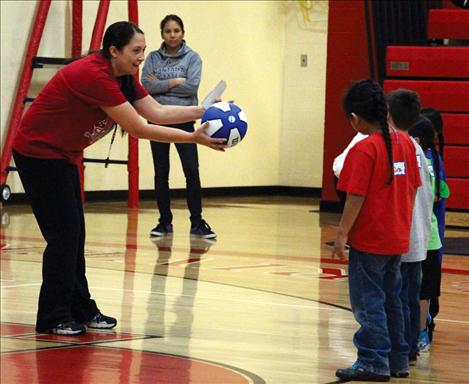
200, 137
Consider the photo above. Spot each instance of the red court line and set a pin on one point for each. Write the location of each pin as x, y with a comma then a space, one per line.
87, 364
13, 329
27, 332
87, 338
453, 271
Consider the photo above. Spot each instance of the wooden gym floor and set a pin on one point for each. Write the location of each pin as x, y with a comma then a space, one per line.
265, 303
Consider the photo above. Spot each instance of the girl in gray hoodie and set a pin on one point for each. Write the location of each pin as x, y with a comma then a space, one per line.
172, 76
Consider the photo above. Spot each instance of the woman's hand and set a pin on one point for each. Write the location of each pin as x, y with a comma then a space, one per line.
200, 137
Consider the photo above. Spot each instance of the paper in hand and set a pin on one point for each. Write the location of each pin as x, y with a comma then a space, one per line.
214, 95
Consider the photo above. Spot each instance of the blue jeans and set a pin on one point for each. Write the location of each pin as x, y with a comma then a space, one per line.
410, 298
374, 286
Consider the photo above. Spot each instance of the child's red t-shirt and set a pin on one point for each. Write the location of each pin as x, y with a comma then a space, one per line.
66, 116
384, 222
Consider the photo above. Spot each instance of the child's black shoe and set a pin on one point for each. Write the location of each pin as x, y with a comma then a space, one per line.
354, 373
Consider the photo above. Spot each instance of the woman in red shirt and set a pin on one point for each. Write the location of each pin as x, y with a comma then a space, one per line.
78, 106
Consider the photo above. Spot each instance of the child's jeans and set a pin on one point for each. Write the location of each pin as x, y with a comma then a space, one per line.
410, 298
374, 286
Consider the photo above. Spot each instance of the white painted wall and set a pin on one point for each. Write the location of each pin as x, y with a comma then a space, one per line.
255, 46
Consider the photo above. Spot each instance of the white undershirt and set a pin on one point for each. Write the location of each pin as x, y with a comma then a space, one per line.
339, 160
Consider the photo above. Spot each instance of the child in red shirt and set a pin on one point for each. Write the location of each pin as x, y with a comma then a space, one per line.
380, 176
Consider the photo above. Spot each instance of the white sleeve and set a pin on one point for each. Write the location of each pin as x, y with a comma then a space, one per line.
338, 164
339, 160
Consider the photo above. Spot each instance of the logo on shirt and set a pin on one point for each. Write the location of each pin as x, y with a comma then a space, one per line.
399, 168
166, 73
430, 169
100, 129
419, 161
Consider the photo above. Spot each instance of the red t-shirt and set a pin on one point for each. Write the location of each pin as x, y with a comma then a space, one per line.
66, 116
383, 224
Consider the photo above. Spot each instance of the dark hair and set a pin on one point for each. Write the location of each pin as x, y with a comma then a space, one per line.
366, 99
404, 107
175, 18
118, 35
435, 117
424, 130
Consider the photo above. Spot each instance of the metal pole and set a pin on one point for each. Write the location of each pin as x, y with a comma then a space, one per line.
25, 81
132, 164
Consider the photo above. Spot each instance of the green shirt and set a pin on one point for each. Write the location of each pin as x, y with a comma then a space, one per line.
434, 241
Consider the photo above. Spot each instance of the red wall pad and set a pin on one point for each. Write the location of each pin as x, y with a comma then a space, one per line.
445, 96
345, 63
428, 61
448, 24
456, 128
459, 197
457, 161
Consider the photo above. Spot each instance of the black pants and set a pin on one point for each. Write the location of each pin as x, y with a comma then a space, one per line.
53, 187
190, 165
342, 195
431, 276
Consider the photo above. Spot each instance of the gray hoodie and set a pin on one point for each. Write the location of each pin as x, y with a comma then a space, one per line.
186, 63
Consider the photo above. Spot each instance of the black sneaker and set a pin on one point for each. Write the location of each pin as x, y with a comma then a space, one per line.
413, 356
70, 328
355, 373
202, 229
162, 230
400, 374
101, 321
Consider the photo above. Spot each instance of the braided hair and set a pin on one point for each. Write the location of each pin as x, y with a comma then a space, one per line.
424, 130
435, 117
366, 99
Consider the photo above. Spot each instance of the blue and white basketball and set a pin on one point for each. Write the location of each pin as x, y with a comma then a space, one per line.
227, 121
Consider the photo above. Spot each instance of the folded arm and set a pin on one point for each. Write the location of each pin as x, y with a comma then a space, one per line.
190, 86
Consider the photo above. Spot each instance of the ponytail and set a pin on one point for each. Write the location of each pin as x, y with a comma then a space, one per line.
423, 129
127, 88
366, 99
382, 109
436, 163
435, 117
